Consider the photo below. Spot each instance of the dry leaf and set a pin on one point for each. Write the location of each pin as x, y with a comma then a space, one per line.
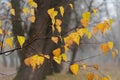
110, 45
74, 68
95, 66
21, 40
57, 52
71, 6
54, 39
90, 76
9, 42
12, 11
32, 19
62, 10
64, 56
57, 59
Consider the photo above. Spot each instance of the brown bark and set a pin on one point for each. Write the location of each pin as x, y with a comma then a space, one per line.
38, 30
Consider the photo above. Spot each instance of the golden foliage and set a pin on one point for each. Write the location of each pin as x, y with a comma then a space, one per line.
74, 68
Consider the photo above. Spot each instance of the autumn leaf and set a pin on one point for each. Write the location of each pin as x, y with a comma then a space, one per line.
32, 4
57, 52
74, 68
104, 48
96, 77
21, 40
75, 36
84, 66
104, 78
9, 42
54, 39
95, 66
68, 41
90, 76
12, 11
34, 61
1, 31
111, 21
25, 10
9, 5
52, 13
84, 22
113, 54
32, 19
71, 5
116, 51
89, 35
57, 59
110, 45
64, 56
86, 16
58, 22
62, 10
32, 12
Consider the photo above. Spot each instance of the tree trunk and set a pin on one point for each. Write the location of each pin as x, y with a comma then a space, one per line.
41, 28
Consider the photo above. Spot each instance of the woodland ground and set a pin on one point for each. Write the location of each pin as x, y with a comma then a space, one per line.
112, 70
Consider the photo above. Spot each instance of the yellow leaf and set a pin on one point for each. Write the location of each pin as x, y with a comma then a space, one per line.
1, 31
25, 10
57, 52
54, 39
32, 12
74, 68
64, 57
95, 11
9, 5
68, 41
96, 77
9, 42
34, 61
12, 11
62, 10
52, 13
84, 22
58, 22
111, 21
57, 59
90, 76
71, 6
76, 38
95, 66
89, 35
33, 4
116, 51
113, 54
8, 33
84, 66
104, 48
110, 45
104, 78
86, 16
21, 40
32, 19
109, 77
